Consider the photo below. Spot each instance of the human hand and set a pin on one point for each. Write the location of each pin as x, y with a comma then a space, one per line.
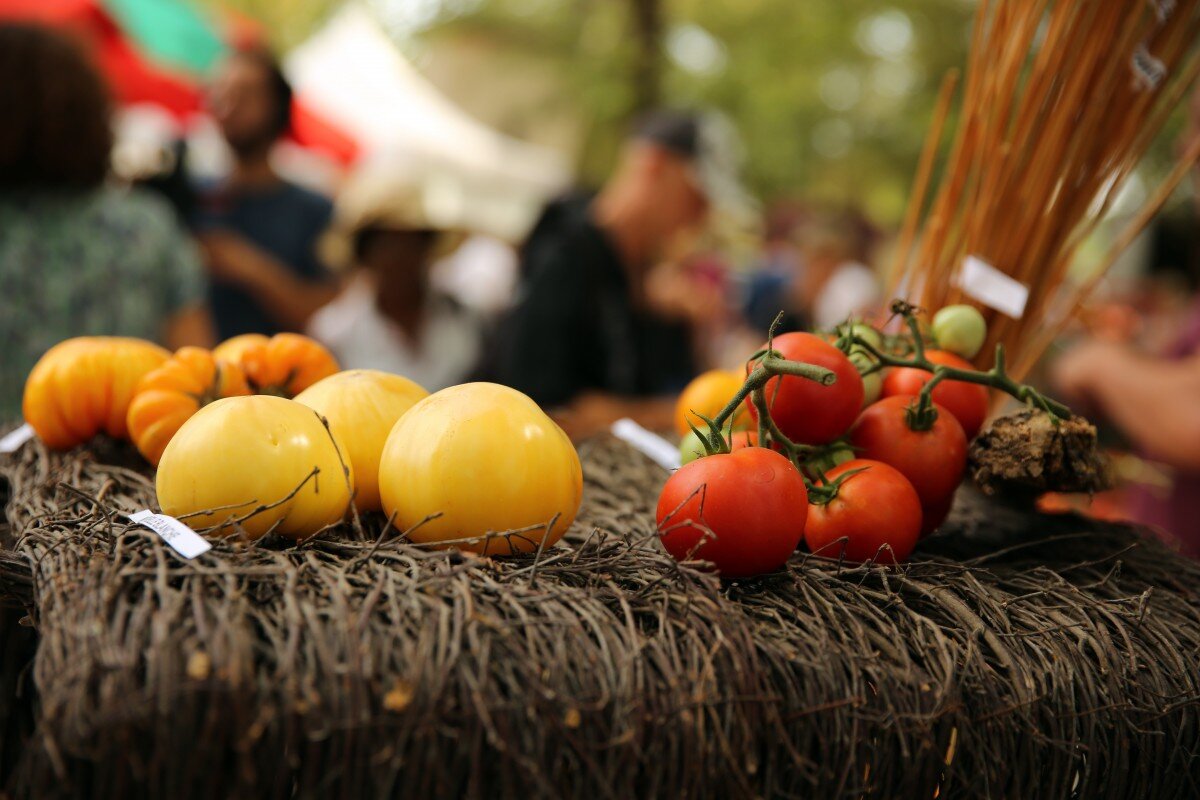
1076, 372
230, 257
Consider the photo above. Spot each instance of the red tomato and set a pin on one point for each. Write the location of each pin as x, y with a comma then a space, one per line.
932, 460
743, 511
804, 410
873, 508
743, 439
968, 402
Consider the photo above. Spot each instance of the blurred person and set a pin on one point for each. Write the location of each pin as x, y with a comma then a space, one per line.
481, 273
258, 231
829, 282
78, 255
388, 316
1152, 399
585, 339
781, 264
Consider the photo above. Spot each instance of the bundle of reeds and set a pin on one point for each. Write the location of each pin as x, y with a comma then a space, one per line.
1062, 99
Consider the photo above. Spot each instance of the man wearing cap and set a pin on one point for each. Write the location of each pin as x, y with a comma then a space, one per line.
583, 339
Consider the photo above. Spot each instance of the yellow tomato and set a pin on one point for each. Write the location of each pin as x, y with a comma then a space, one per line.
362, 406
707, 394
487, 459
83, 386
237, 454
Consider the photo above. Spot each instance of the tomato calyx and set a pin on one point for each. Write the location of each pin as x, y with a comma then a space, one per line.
825, 491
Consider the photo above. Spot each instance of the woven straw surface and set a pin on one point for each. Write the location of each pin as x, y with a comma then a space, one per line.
1016, 656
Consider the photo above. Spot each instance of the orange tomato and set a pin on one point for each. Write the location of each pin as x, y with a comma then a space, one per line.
169, 395
707, 394
286, 364
232, 348
83, 386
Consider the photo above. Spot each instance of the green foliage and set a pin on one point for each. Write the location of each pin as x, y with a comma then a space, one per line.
833, 97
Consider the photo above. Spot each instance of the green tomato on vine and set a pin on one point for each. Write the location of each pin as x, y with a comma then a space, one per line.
960, 329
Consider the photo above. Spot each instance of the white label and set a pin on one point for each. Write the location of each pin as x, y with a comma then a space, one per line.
981, 281
180, 537
665, 454
12, 441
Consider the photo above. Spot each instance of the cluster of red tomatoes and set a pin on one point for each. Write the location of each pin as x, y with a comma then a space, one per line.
748, 510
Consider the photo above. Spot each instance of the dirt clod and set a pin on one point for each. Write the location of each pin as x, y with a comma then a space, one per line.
1027, 453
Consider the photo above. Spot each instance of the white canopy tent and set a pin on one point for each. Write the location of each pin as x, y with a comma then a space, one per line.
351, 73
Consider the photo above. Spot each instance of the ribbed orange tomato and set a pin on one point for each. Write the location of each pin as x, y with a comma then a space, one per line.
232, 348
286, 364
83, 386
169, 395
362, 406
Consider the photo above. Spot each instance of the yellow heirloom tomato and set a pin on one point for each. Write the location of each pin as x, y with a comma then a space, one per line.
237, 454
362, 406
487, 459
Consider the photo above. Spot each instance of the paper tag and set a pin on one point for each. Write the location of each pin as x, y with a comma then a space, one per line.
180, 537
12, 441
981, 281
665, 454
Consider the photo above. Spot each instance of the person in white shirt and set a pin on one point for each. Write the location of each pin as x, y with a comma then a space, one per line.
388, 316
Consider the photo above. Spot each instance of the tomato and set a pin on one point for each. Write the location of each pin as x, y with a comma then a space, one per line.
743, 511
837, 453
170, 394
362, 406
485, 458
691, 448
873, 383
872, 508
968, 402
240, 453
933, 461
284, 365
740, 440
960, 329
806, 411
83, 386
707, 394
232, 348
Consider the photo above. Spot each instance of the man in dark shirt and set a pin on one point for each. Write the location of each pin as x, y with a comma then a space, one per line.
259, 232
582, 339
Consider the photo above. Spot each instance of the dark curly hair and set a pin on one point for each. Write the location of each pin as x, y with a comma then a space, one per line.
56, 130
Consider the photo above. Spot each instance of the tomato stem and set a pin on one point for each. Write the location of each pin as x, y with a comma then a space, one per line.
997, 377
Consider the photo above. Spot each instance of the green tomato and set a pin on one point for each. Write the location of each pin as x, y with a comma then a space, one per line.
690, 448
960, 329
863, 331
838, 453
873, 383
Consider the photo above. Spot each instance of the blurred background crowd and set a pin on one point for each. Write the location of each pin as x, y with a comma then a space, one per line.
591, 202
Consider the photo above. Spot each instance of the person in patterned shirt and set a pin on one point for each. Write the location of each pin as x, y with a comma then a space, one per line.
78, 255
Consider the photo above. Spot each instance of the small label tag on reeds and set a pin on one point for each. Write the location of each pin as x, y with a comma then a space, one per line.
180, 537
981, 281
14, 439
665, 454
